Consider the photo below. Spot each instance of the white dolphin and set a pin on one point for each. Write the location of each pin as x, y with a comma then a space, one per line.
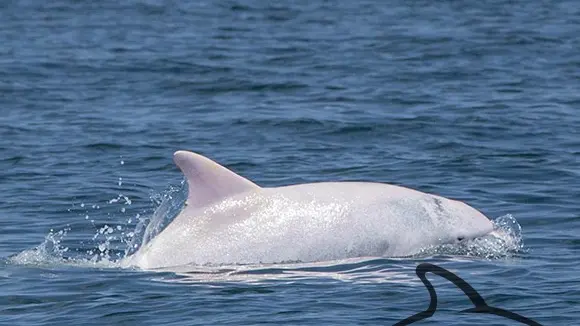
228, 219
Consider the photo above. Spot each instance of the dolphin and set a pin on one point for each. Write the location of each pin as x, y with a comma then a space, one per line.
228, 219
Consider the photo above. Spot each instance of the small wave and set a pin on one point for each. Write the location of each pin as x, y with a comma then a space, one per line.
354, 270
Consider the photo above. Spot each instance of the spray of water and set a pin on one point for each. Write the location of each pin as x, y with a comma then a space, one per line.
503, 242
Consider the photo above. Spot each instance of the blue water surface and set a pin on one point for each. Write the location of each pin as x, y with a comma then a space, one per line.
476, 101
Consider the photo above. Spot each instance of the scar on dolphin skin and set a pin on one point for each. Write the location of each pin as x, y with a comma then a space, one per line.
438, 204
480, 306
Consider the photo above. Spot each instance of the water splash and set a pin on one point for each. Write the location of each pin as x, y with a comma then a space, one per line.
505, 241
168, 203
48, 252
112, 241
115, 235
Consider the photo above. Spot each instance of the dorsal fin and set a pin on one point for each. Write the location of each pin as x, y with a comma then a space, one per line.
209, 182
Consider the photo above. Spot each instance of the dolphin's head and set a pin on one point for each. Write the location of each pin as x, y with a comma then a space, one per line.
461, 221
